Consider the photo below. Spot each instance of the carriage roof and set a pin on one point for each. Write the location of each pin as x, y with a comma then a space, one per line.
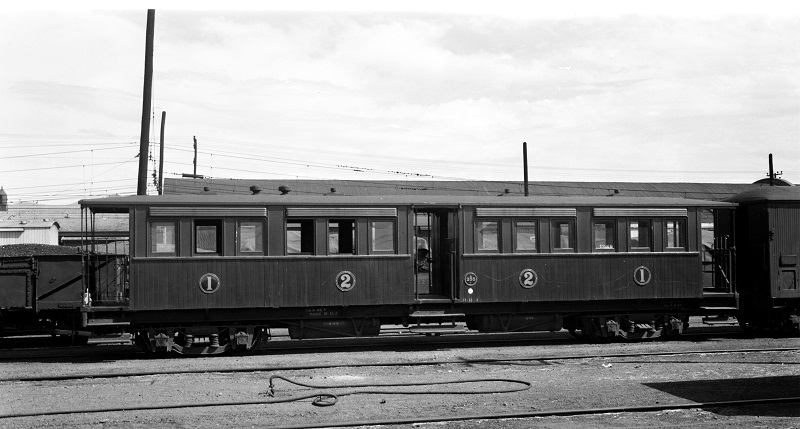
768, 194
118, 204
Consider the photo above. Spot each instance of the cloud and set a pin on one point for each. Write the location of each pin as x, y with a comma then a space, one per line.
450, 92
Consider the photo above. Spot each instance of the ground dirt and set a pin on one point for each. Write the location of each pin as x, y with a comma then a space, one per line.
556, 384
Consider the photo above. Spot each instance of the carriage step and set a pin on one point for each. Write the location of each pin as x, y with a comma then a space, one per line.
107, 322
718, 308
421, 314
436, 330
720, 320
718, 294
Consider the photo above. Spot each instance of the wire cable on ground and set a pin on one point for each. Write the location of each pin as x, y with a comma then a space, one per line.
332, 397
320, 398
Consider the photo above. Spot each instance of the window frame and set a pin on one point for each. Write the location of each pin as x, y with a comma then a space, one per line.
151, 237
304, 223
371, 236
239, 242
354, 243
479, 236
610, 229
536, 243
219, 236
555, 235
682, 235
649, 230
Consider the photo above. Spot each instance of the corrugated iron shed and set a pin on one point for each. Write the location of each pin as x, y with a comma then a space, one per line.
68, 218
25, 232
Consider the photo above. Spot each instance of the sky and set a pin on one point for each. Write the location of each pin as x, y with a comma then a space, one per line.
600, 91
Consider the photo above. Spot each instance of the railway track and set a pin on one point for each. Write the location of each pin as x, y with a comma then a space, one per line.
552, 413
392, 337
523, 368
320, 398
542, 358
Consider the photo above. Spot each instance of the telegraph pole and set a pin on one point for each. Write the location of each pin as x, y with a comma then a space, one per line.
144, 141
525, 165
194, 175
771, 172
161, 156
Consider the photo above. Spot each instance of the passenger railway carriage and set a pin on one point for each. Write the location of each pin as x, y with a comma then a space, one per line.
768, 254
227, 269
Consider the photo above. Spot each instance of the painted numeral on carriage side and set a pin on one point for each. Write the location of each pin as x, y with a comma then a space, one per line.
528, 278
209, 283
642, 276
345, 281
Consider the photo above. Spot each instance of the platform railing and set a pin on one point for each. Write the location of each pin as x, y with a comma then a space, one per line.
719, 274
108, 278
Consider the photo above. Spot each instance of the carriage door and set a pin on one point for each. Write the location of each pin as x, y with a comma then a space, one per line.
435, 258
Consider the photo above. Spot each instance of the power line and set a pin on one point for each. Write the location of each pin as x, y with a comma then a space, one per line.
16, 144
461, 166
62, 167
56, 153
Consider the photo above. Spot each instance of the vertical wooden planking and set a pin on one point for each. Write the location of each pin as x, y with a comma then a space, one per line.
583, 227
576, 277
784, 252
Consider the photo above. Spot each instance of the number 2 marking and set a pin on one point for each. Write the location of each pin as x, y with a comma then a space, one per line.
528, 278
345, 281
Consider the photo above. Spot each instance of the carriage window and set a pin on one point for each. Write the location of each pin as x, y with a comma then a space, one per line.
300, 236
162, 237
341, 237
251, 237
640, 235
603, 232
563, 235
525, 236
676, 235
207, 237
487, 236
381, 236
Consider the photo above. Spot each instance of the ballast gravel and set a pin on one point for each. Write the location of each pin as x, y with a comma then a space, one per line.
569, 384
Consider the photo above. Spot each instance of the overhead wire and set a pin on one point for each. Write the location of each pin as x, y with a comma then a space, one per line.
54, 153
336, 165
302, 153
61, 167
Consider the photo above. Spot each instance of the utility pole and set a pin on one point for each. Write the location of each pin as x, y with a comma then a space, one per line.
161, 156
194, 175
771, 172
525, 165
144, 141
